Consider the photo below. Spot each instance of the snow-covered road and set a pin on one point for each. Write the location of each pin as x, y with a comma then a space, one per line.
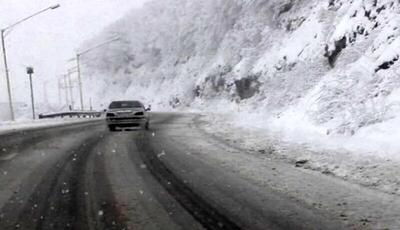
175, 176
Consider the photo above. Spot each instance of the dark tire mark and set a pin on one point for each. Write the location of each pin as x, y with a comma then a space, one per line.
65, 208
58, 201
20, 140
202, 211
103, 199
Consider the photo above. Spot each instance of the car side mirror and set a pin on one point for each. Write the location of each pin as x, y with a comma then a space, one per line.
105, 110
148, 108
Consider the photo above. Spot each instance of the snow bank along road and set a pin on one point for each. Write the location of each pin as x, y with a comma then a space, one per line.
175, 176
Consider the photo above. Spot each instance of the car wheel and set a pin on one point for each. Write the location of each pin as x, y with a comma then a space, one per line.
147, 126
112, 128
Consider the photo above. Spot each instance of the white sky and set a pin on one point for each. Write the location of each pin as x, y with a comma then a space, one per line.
47, 41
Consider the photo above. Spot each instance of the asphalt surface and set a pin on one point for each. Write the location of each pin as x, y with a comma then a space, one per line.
82, 176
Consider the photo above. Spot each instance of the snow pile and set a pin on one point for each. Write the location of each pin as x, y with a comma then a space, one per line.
363, 165
331, 65
28, 124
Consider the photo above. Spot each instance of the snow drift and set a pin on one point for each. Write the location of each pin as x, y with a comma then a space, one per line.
330, 64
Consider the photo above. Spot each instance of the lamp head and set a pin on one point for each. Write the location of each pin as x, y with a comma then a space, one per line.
54, 7
29, 70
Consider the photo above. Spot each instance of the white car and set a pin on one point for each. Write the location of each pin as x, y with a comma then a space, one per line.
124, 114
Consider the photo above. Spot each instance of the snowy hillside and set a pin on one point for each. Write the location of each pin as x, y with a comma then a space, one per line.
331, 64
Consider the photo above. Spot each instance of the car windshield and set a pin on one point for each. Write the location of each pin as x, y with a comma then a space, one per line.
125, 105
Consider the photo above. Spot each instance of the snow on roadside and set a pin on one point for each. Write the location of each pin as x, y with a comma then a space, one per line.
368, 158
267, 54
308, 81
9, 126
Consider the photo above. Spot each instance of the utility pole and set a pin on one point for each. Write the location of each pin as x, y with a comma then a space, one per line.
10, 103
71, 90
90, 104
79, 80
66, 90
29, 70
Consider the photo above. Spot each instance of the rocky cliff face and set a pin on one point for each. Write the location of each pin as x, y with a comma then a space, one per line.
333, 62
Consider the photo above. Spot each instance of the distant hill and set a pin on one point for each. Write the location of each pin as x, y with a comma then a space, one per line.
333, 62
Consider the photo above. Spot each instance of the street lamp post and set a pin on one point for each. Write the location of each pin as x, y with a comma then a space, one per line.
3, 36
29, 71
10, 103
78, 57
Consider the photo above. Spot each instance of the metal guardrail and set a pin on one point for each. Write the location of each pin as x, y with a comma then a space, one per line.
78, 114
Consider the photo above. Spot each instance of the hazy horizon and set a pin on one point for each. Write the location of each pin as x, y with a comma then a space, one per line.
47, 41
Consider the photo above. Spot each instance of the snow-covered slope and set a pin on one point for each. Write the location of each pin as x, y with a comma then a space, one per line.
331, 64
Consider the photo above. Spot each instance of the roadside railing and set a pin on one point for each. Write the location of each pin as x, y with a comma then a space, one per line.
71, 114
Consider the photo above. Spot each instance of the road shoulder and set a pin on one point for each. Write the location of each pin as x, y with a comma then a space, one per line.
356, 205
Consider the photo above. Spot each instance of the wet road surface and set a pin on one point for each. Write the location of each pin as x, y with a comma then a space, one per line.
82, 176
